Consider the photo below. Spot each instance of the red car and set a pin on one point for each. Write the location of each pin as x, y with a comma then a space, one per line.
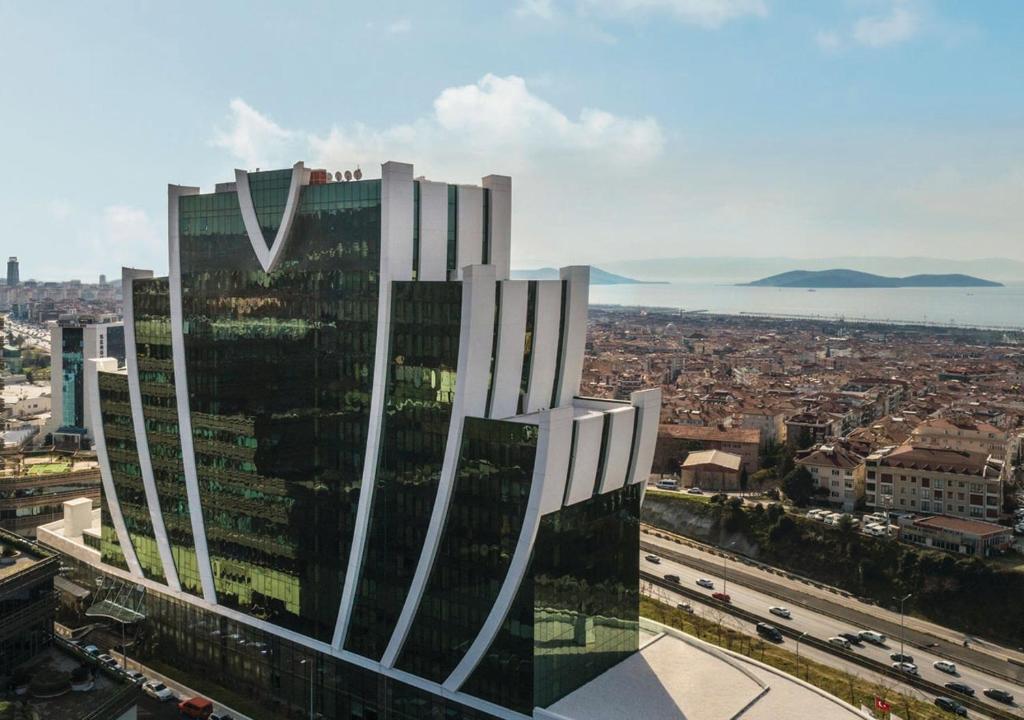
197, 707
722, 597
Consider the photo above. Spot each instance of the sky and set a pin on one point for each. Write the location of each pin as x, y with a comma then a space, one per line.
632, 128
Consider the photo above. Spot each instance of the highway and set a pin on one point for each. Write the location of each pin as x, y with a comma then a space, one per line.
820, 626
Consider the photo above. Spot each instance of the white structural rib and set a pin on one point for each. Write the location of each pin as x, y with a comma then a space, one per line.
586, 452
188, 454
269, 256
618, 448
395, 264
470, 400
131, 361
501, 222
574, 332
648, 413
433, 231
470, 234
545, 345
508, 353
91, 388
549, 477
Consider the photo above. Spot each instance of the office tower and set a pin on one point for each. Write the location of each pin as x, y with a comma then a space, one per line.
12, 272
347, 453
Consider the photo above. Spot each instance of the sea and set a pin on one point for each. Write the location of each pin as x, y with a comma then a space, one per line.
996, 307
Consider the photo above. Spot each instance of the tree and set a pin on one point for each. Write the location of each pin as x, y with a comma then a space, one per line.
799, 486
744, 480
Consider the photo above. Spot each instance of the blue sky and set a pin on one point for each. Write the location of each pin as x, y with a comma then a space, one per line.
632, 128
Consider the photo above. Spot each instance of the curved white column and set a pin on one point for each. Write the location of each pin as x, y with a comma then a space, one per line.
501, 222
508, 362
269, 256
586, 453
188, 453
545, 345
91, 387
470, 218
619, 448
574, 332
396, 209
156, 515
549, 478
474, 363
433, 231
648, 413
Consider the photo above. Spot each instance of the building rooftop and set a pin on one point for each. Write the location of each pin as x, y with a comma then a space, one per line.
832, 456
713, 457
938, 459
700, 432
960, 525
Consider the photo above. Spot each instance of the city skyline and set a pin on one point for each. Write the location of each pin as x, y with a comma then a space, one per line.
753, 128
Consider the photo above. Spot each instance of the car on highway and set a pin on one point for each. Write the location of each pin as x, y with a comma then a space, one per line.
769, 631
685, 607
905, 667
945, 666
854, 638
901, 657
998, 695
961, 688
722, 597
951, 705
705, 583
653, 559
157, 690
839, 642
781, 612
672, 578
875, 638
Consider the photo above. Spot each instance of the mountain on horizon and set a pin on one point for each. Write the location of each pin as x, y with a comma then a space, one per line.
597, 276
844, 278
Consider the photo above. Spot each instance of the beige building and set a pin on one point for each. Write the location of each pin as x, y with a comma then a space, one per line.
961, 434
712, 470
838, 470
968, 537
938, 481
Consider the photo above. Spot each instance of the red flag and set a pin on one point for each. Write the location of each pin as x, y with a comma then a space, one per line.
882, 705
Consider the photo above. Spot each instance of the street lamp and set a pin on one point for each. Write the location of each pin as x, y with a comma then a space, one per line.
901, 601
798, 639
725, 568
310, 662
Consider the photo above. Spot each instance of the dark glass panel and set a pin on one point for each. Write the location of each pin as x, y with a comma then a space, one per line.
72, 376
453, 226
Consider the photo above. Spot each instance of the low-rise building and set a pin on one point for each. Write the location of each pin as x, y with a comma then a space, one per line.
939, 481
27, 601
961, 433
675, 442
967, 537
838, 470
712, 470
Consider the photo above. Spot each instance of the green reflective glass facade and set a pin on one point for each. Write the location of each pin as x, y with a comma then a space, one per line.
577, 613
269, 192
73, 359
126, 475
488, 504
151, 303
280, 370
424, 352
111, 552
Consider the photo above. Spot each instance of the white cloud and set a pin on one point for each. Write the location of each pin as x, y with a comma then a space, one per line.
123, 230
543, 9
399, 27
828, 41
253, 138
705, 13
897, 25
59, 209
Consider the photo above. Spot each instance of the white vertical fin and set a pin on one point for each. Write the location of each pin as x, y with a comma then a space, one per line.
574, 332
586, 453
269, 256
470, 234
501, 222
433, 231
508, 363
545, 345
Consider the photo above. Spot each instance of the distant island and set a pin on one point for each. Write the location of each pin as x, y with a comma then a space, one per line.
597, 277
841, 278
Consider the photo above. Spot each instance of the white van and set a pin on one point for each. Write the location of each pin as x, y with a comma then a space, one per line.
667, 484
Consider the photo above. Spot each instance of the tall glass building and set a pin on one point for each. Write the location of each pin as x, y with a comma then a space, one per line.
346, 453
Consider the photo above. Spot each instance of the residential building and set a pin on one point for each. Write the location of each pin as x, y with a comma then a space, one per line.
961, 433
712, 470
939, 481
837, 470
343, 436
967, 537
27, 601
675, 442
807, 429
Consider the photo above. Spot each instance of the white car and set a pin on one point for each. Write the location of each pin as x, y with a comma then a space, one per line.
158, 691
945, 666
705, 583
905, 667
839, 642
875, 638
780, 611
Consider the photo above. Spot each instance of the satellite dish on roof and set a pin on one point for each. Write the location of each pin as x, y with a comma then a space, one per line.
337, 176
358, 173
348, 174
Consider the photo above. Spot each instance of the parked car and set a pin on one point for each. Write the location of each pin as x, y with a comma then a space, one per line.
108, 661
901, 657
695, 491
198, 708
221, 716
839, 641
705, 583
769, 631
945, 666
875, 638
653, 559
672, 578
157, 690
854, 638
781, 612
961, 688
905, 667
91, 650
998, 695
685, 607
135, 676
722, 597
951, 705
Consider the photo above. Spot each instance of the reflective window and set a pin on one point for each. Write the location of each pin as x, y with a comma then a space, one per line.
71, 377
